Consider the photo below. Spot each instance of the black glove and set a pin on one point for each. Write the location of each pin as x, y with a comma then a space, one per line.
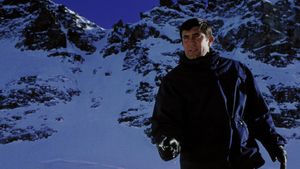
168, 148
281, 156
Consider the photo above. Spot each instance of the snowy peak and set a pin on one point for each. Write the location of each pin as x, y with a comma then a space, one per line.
44, 25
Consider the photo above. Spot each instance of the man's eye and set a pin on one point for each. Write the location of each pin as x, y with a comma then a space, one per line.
185, 38
196, 35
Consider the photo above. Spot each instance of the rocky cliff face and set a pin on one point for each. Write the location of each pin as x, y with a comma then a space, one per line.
24, 94
43, 25
269, 31
272, 37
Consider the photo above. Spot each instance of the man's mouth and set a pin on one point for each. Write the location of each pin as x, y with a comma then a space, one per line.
192, 50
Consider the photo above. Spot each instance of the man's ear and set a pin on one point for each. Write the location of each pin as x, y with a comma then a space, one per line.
211, 40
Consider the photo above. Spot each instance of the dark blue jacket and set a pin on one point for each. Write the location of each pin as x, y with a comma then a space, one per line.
214, 108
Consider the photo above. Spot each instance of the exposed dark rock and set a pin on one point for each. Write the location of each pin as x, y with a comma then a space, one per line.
30, 91
117, 33
11, 13
134, 120
96, 102
107, 73
76, 70
124, 38
294, 35
284, 54
43, 33
265, 40
76, 30
26, 135
288, 118
29, 112
16, 2
165, 37
167, 15
167, 3
40, 25
185, 2
71, 57
22, 94
145, 92
81, 41
222, 6
285, 93
138, 61
27, 80
229, 41
216, 24
110, 51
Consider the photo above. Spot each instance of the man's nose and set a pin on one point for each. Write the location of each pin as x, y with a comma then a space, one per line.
192, 41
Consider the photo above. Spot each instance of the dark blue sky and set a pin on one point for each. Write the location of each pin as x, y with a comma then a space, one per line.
107, 12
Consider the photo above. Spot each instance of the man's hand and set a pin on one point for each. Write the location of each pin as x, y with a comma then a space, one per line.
169, 148
282, 157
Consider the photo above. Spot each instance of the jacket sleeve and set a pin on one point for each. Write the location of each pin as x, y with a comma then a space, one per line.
259, 119
166, 119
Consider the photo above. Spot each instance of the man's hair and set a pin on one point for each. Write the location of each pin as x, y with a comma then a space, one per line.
204, 26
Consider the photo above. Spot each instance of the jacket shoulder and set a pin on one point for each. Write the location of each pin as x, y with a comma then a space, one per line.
237, 66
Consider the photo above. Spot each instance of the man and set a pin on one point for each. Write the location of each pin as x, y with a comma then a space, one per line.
210, 110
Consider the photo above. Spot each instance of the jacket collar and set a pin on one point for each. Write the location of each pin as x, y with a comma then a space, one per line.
210, 59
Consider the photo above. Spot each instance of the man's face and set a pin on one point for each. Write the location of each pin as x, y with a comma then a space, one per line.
195, 43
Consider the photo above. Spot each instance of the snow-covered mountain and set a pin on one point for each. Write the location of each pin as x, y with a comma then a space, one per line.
73, 95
